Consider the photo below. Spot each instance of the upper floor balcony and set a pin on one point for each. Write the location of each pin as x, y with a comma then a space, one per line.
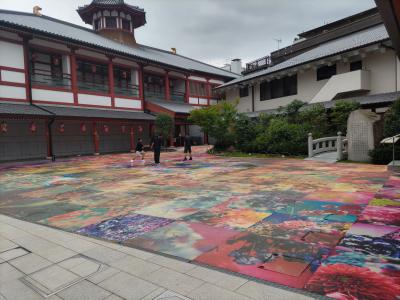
106, 82
337, 85
258, 64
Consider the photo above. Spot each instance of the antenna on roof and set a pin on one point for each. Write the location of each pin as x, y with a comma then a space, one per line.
279, 41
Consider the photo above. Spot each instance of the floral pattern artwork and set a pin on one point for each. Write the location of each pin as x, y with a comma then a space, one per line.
332, 229
124, 228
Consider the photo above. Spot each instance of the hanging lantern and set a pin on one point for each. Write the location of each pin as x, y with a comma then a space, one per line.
33, 127
106, 129
83, 127
123, 128
124, 75
61, 127
132, 131
3, 127
93, 68
56, 61
140, 129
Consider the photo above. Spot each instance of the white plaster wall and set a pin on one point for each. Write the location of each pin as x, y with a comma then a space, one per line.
127, 103
203, 101
193, 100
12, 92
244, 105
382, 67
307, 88
384, 70
11, 55
11, 76
52, 96
94, 100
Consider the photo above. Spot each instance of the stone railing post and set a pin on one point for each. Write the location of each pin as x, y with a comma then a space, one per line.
339, 146
310, 145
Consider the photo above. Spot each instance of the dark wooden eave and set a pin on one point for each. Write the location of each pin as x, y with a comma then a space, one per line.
390, 12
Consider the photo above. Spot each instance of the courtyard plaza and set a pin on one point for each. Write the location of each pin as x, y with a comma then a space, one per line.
211, 228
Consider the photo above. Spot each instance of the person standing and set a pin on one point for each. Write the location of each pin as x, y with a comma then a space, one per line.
188, 146
156, 144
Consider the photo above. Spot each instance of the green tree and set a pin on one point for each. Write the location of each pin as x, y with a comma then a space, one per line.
283, 137
292, 111
340, 113
314, 118
164, 124
392, 120
246, 133
218, 121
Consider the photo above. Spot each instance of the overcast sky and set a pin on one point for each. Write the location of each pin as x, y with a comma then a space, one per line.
215, 31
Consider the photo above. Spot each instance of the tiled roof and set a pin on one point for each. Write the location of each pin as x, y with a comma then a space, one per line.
62, 111
180, 108
109, 2
353, 41
81, 35
21, 109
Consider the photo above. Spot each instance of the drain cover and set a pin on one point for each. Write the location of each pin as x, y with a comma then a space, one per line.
57, 277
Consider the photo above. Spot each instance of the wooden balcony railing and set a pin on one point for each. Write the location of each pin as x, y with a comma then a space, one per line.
46, 78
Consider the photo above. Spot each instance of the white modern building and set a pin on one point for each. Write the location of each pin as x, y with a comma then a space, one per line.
352, 58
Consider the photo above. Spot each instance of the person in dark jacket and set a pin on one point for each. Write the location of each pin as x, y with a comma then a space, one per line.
139, 149
156, 144
188, 146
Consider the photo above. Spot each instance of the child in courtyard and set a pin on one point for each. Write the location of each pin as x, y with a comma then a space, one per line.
187, 147
139, 149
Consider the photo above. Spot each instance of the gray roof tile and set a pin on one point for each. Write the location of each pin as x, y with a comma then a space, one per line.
82, 35
21, 109
353, 41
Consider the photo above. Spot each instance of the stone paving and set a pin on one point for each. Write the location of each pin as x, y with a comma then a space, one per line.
53, 259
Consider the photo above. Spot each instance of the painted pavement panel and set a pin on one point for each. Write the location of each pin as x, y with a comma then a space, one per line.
328, 228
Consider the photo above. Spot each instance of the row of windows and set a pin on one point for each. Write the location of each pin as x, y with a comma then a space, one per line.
287, 86
112, 22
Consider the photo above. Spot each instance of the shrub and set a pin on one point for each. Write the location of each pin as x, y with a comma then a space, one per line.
392, 120
283, 137
383, 154
218, 121
340, 113
246, 133
292, 111
315, 120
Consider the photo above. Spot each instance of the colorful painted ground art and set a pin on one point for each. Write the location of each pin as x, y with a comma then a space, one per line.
332, 229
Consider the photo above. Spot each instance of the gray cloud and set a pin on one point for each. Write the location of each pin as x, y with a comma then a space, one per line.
216, 31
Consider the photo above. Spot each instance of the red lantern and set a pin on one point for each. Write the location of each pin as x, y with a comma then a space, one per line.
32, 127
123, 128
83, 127
140, 129
61, 127
3, 127
93, 68
106, 128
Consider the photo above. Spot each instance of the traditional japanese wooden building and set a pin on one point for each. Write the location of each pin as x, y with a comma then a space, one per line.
69, 90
